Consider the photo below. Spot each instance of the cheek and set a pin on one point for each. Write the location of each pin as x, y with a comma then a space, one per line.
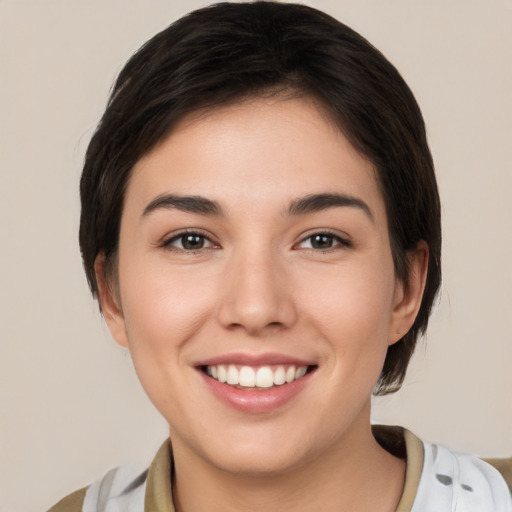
352, 310
163, 312
162, 309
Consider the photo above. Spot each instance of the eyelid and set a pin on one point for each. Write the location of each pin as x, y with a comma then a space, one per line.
343, 240
168, 240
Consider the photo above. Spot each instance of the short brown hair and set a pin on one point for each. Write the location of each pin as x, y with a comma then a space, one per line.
231, 51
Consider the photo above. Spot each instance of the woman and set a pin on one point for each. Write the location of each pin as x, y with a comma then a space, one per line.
261, 227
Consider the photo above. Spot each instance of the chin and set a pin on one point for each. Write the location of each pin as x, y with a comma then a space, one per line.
254, 460
251, 450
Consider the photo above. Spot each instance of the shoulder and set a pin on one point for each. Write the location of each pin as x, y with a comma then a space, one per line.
468, 482
504, 466
71, 503
123, 488
438, 479
126, 488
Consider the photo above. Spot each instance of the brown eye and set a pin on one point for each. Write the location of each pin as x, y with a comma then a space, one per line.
192, 242
189, 242
323, 242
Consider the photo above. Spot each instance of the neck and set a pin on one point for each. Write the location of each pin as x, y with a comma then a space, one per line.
356, 476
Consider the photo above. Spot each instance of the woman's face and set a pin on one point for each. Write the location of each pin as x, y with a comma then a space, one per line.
254, 248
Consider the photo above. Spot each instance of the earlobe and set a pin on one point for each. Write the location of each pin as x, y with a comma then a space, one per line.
110, 302
408, 296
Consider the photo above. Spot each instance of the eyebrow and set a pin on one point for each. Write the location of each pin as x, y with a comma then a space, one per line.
318, 202
302, 206
189, 204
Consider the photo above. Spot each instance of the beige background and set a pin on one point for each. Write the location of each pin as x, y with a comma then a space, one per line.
70, 404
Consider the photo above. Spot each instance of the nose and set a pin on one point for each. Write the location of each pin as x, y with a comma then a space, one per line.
257, 294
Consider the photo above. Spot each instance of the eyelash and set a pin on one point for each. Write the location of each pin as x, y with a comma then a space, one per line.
337, 241
167, 244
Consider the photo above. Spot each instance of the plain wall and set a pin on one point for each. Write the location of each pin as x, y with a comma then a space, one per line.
71, 405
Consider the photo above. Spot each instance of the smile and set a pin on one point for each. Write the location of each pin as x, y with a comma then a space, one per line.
256, 384
259, 378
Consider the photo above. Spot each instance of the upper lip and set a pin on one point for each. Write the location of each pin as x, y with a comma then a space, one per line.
269, 358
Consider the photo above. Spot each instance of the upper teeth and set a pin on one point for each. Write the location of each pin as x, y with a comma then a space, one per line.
261, 377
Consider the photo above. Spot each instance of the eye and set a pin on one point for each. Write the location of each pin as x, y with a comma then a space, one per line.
189, 241
323, 242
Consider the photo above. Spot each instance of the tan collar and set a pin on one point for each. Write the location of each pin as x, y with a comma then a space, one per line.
403, 444
158, 496
396, 440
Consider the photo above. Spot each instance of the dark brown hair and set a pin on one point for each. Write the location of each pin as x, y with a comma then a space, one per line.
231, 51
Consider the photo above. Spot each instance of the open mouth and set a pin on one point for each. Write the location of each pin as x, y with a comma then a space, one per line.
256, 378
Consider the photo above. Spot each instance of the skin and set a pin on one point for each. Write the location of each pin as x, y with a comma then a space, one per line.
260, 285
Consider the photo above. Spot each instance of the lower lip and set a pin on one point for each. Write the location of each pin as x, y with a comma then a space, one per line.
256, 401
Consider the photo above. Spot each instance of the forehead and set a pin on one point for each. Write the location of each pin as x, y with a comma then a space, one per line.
264, 150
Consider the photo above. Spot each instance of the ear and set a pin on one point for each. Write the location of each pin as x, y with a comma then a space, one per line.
110, 302
407, 296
